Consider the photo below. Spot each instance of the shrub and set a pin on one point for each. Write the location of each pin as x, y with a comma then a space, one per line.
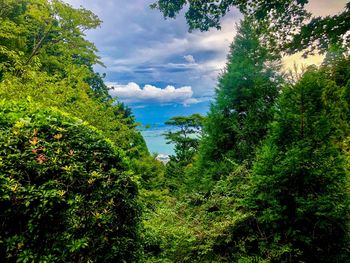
65, 191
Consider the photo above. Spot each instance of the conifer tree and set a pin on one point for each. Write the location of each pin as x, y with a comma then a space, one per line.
299, 197
238, 119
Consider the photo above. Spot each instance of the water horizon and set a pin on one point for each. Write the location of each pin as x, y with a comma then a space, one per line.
155, 139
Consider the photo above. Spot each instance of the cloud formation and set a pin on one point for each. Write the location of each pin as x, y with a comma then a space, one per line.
138, 45
149, 49
132, 93
189, 59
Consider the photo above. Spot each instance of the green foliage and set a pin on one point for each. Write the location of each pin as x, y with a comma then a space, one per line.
287, 202
238, 119
321, 33
285, 24
46, 60
263, 181
188, 228
186, 136
46, 36
271, 180
74, 96
149, 175
44, 56
66, 193
203, 14
299, 198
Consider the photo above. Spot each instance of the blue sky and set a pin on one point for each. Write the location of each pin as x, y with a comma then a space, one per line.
156, 66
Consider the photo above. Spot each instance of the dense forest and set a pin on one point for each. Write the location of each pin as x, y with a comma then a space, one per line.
264, 177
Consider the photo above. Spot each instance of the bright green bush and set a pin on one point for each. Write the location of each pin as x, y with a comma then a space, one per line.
65, 192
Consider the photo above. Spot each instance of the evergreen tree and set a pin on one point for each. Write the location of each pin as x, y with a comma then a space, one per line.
239, 117
299, 197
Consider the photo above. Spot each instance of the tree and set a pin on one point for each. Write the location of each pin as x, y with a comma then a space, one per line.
45, 57
322, 34
284, 22
298, 204
47, 36
186, 136
238, 119
46, 60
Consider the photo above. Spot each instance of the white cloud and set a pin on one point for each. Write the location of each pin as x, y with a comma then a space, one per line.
133, 93
189, 59
191, 101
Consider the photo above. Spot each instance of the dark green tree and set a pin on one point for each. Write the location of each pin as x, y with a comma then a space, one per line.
299, 199
239, 117
185, 137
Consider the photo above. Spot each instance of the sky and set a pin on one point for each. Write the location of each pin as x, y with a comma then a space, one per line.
152, 61
156, 66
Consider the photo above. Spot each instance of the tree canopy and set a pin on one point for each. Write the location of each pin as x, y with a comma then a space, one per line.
299, 197
270, 179
286, 23
55, 161
263, 178
47, 36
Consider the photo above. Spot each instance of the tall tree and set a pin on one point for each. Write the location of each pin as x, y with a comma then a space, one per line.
239, 117
299, 199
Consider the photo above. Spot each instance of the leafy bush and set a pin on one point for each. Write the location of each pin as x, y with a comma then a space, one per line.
65, 193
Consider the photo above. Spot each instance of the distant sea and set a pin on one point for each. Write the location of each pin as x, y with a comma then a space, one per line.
154, 116
155, 139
